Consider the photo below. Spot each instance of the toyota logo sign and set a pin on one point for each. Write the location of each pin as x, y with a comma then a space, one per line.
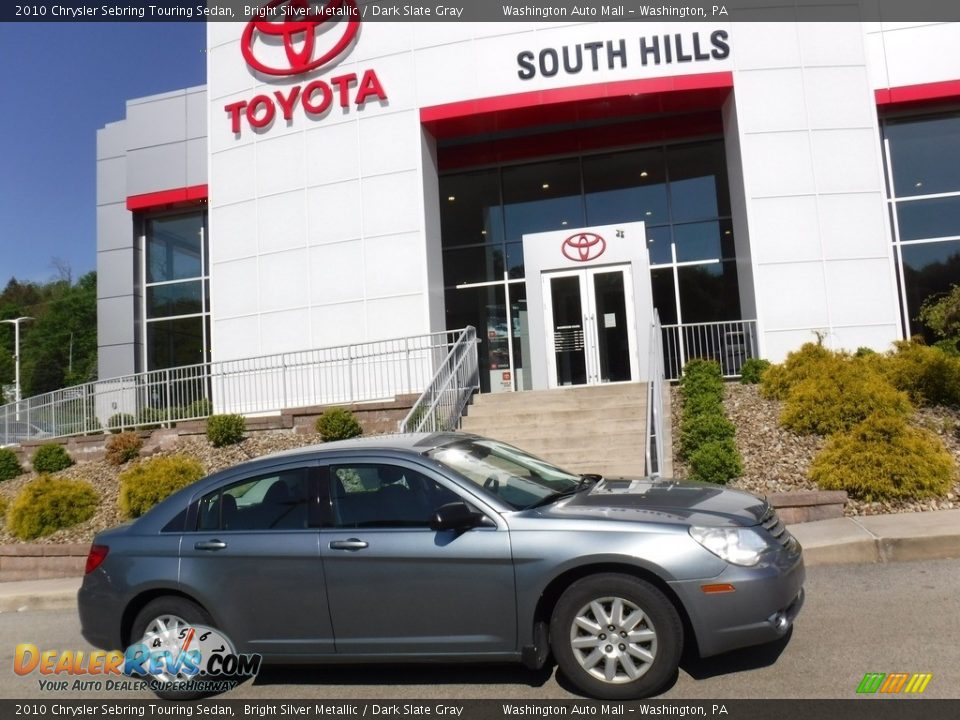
583, 247
298, 29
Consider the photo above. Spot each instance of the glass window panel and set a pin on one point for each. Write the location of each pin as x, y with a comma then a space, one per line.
475, 264
470, 209
658, 244
173, 247
925, 154
485, 309
521, 336
175, 299
172, 343
703, 241
709, 293
515, 259
541, 197
625, 187
698, 182
921, 219
664, 298
929, 269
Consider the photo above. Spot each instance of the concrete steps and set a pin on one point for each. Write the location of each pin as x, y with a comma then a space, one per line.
600, 429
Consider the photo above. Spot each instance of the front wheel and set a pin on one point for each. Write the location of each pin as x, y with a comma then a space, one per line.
616, 637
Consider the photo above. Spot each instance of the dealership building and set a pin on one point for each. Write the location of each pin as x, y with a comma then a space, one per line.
550, 184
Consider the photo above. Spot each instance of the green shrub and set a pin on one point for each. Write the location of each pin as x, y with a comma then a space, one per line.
123, 448
753, 370
9, 464
49, 504
716, 462
338, 424
146, 483
700, 428
150, 417
864, 352
811, 360
118, 421
884, 458
198, 408
51, 458
225, 430
826, 404
928, 375
699, 368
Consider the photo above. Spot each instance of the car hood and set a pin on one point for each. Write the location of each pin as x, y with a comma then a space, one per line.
658, 500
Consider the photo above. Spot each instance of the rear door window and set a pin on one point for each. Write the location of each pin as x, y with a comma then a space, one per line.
273, 501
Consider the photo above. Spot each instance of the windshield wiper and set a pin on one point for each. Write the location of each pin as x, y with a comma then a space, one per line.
586, 481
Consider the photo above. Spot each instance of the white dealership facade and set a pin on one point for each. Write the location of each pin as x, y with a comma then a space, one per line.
402, 178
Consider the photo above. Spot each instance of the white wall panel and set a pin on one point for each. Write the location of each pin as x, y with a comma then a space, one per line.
394, 264
332, 153
234, 289
284, 279
785, 229
335, 273
281, 164
281, 221
334, 213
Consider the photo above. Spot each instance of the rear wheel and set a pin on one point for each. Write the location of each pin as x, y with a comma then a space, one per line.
616, 637
160, 621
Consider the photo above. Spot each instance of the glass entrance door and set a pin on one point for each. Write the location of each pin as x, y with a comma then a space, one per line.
591, 330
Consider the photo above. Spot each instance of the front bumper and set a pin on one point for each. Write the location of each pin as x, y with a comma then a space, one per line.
766, 600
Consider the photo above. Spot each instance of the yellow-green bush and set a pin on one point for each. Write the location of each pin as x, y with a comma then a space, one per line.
829, 403
49, 504
884, 458
123, 448
810, 361
147, 483
3, 510
928, 374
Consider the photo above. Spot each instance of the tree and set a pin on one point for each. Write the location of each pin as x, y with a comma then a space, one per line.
941, 313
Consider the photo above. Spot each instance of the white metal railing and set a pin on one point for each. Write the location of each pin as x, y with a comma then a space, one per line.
654, 449
729, 343
441, 405
267, 384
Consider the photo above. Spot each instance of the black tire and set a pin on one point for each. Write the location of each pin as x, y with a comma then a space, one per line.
654, 661
179, 607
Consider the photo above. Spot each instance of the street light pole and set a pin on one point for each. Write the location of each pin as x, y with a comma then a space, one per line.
16, 354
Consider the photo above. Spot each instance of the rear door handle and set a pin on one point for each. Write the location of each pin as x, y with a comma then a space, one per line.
351, 544
210, 545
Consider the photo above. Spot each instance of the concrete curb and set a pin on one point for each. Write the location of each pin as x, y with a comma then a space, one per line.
57, 594
875, 539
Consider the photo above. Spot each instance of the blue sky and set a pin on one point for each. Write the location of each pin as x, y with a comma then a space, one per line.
60, 83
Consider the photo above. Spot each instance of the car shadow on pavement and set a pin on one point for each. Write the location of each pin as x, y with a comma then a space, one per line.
410, 674
750, 658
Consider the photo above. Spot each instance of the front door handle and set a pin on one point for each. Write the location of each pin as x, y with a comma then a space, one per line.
210, 545
351, 544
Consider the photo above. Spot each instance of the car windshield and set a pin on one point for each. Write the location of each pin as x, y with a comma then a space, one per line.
518, 478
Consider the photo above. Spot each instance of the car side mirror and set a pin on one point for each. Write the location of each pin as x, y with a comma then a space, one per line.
456, 516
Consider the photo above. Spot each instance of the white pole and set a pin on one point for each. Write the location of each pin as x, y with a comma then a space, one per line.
16, 354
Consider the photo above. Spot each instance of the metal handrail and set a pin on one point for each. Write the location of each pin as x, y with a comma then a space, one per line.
440, 407
265, 384
655, 430
730, 343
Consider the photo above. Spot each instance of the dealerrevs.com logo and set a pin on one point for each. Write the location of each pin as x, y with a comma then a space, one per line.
172, 657
285, 38
298, 25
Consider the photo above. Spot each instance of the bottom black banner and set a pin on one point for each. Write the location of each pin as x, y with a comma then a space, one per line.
861, 709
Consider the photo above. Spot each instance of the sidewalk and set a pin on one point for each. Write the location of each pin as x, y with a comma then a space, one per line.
878, 538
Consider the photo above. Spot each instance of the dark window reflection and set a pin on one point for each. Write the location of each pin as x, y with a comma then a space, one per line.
698, 182
929, 269
625, 187
174, 246
542, 197
470, 208
703, 241
485, 309
172, 343
709, 293
664, 298
925, 154
921, 219
175, 299
473, 264
658, 244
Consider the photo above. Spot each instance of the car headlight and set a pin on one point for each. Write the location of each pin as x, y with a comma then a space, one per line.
739, 546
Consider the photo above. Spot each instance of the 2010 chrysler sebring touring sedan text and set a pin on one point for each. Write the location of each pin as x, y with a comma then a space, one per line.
450, 547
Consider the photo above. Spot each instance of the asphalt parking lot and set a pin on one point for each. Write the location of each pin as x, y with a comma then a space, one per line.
898, 617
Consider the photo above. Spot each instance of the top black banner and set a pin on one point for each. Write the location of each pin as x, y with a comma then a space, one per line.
921, 11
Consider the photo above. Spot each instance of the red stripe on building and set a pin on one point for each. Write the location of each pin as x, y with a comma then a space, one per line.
174, 196
678, 94
925, 93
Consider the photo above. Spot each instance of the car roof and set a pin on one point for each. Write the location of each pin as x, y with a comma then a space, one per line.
414, 442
